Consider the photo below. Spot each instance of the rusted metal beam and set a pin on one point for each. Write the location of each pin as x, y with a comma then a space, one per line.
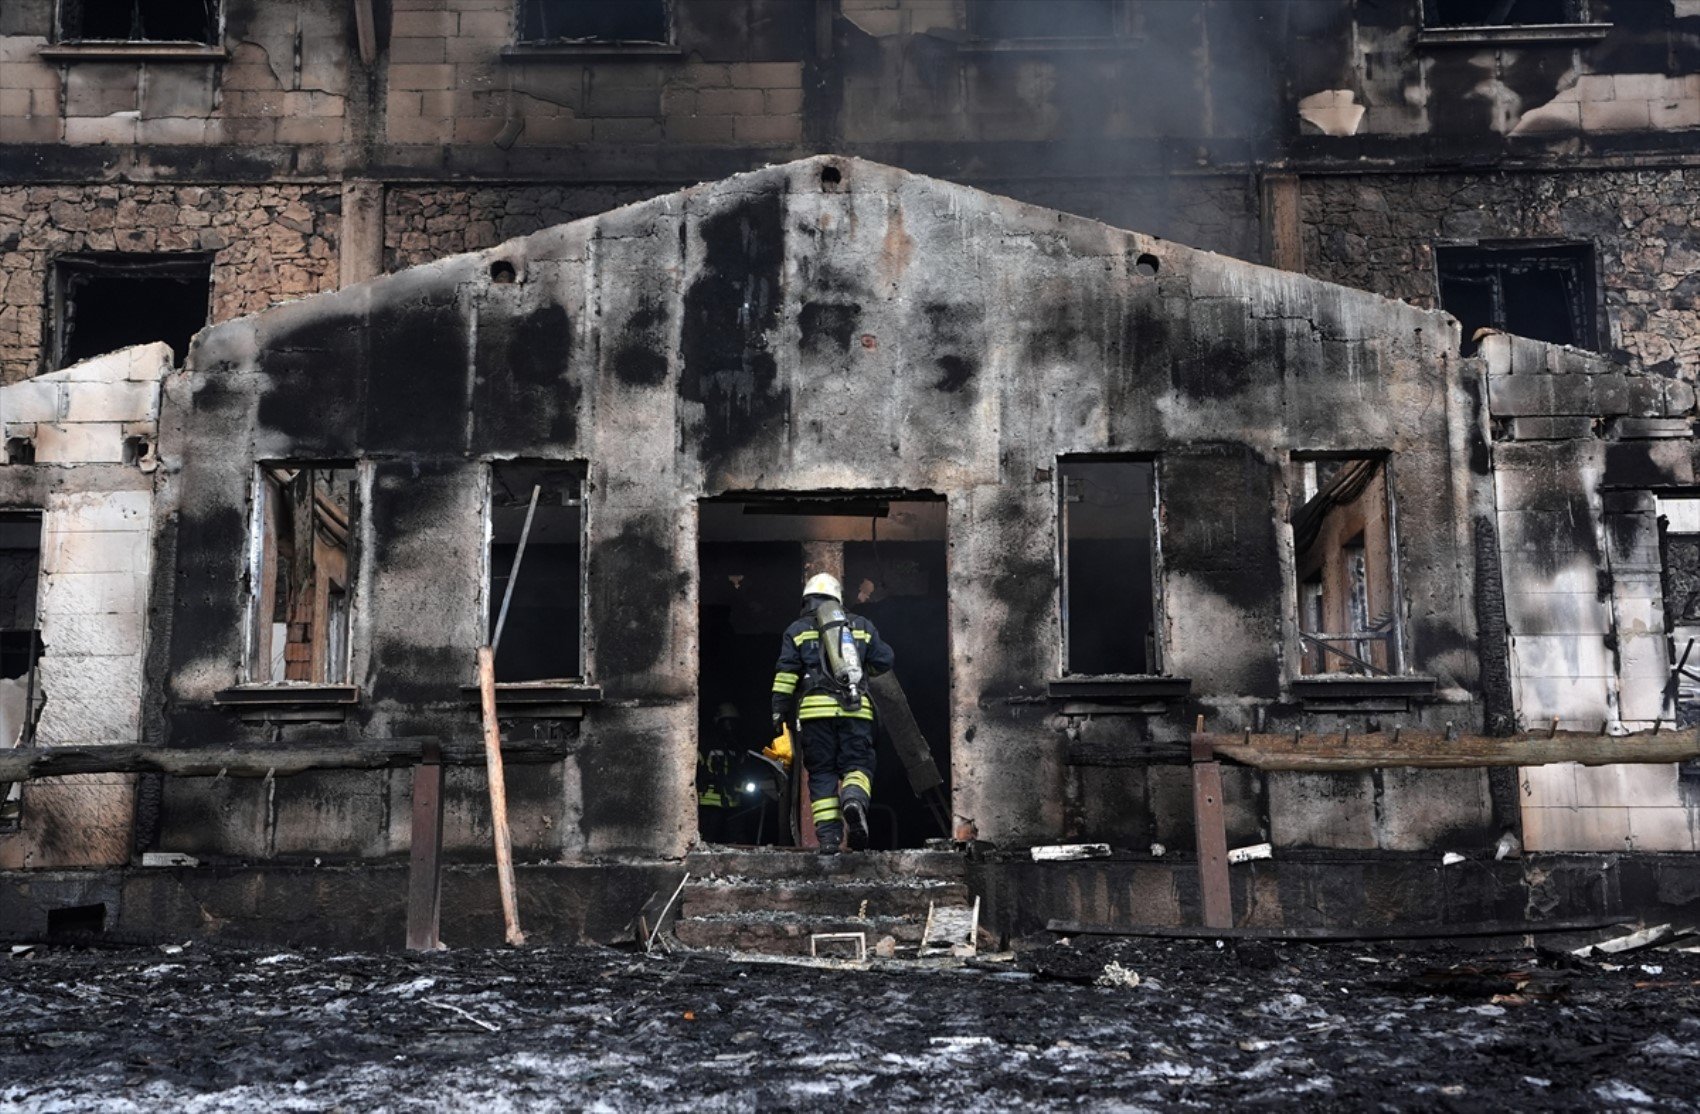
425, 854
26, 764
1210, 828
1433, 750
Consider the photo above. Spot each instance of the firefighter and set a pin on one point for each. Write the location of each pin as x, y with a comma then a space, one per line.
717, 788
825, 658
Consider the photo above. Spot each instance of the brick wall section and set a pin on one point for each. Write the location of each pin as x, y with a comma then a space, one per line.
268, 243
286, 81
1377, 234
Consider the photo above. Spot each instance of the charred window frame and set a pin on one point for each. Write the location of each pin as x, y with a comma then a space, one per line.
543, 636
1109, 557
1679, 566
302, 560
1345, 561
1503, 13
1058, 21
103, 301
20, 643
197, 22
1541, 290
597, 23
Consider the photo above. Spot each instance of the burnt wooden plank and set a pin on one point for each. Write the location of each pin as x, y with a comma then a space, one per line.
1433, 750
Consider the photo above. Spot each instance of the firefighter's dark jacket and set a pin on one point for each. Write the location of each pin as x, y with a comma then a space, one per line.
802, 678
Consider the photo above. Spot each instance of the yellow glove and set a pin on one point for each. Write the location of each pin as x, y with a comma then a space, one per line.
780, 749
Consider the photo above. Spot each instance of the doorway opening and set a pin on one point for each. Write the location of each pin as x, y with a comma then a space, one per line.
754, 553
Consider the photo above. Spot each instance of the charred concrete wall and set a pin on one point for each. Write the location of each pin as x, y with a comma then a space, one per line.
89, 432
828, 325
1583, 453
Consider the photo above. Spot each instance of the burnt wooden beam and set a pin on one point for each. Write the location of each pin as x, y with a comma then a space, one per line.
27, 764
1433, 750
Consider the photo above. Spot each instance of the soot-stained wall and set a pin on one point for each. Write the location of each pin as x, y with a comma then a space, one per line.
829, 324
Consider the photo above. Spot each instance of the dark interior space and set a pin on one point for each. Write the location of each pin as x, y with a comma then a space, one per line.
1109, 549
20, 571
753, 559
541, 637
1543, 293
1495, 13
110, 301
77, 920
599, 21
194, 21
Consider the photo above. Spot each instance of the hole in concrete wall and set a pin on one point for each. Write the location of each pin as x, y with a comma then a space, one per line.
103, 302
20, 450
20, 643
1494, 13
77, 920
542, 638
1544, 292
755, 553
594, 21
194, 21
1343, 558
501, 271
1146, 266
1108, 537
830, 176
1679, 560
136, 449
300, 573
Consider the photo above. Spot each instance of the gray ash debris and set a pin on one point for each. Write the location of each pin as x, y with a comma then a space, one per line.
1203, 1025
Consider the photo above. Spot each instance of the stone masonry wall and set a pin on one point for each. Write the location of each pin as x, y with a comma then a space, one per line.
268, 243
1378, 234
427, 222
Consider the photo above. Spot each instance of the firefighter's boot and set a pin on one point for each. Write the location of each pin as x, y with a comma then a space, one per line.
829, 824
853, 794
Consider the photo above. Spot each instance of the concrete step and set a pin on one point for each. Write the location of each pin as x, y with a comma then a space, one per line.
788, 933
821, 897
798, 864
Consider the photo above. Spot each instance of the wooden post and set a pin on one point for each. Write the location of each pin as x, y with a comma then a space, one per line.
424, 875
498, 796
1210, 827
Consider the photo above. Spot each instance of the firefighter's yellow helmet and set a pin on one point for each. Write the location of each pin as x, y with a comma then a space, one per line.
824, 584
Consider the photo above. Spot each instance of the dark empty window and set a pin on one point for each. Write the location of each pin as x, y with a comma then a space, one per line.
1042, 19
1343, 557
172, 21
1540, 292
593, 21
1501, 13
1109, 551
105, 302
540, 638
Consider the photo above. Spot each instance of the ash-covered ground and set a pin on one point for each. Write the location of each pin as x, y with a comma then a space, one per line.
1323, 1027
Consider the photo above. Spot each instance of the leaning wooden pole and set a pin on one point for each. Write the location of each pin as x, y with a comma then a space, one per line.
498, 795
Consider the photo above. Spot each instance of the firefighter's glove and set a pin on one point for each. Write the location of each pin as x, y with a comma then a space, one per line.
780, 749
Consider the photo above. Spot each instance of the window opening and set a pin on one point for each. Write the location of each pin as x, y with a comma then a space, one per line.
105, 302
1052, 19
1343, 554
20, 644
542, 638
1543, 293
174, 21
300, 573
1501, 13
1679, 555
594, 21
754, 556
1109, 561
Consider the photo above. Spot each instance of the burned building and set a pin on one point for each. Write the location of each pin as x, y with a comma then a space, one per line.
1392, 460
